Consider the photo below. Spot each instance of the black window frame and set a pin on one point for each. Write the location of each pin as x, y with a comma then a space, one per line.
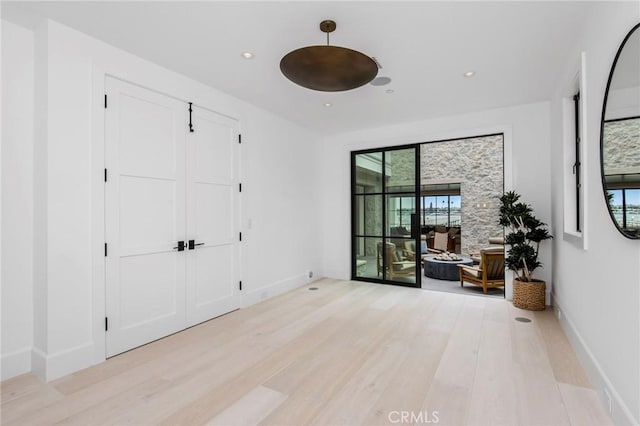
577, 166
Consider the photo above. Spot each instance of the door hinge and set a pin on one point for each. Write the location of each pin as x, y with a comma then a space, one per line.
105, 101
240, 236
105, 175
105, 249
239, 138
190, 122
240, 187
106, 324
240, 285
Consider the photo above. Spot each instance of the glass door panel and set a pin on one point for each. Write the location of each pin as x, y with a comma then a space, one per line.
400, 208
368, 215
368, 173
384, 223
369, 263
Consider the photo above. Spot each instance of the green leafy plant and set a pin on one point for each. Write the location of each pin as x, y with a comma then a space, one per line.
609, 197
526, 232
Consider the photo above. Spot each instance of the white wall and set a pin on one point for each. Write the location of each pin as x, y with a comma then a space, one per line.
69, 288
526, 131
598, 289
17, 199
281, 217
623, 103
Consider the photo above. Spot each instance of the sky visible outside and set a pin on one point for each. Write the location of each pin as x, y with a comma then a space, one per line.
632, 196
441, 202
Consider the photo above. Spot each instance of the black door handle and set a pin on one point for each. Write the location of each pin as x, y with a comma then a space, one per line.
180, 246
193, 244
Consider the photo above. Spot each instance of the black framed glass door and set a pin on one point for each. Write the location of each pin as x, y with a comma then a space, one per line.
385, 228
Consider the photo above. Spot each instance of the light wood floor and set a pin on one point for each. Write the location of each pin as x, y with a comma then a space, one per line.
348, 353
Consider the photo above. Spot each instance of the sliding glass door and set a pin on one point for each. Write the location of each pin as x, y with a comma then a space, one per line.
385, 223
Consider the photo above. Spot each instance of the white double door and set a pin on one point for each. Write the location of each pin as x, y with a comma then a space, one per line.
166, 185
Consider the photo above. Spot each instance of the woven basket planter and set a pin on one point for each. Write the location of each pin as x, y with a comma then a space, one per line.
529, 295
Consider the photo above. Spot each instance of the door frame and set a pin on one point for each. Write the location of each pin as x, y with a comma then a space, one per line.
383, 194
505, 131
97, 349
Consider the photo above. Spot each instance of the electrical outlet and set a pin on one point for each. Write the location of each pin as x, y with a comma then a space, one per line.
559, 314
310, 274
608, 401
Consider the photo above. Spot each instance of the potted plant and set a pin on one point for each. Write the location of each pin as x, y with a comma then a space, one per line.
525, 233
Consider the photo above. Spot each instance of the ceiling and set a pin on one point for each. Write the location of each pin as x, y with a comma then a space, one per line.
517, 50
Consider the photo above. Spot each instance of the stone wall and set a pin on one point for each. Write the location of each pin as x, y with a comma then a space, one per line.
622, 145
400, 169
477, 164
373, 222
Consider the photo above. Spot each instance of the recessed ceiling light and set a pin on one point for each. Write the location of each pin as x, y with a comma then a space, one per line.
247, 55
380, 81
328, 104
469, 74
389, 90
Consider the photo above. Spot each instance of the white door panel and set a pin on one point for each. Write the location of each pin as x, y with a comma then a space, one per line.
147, 150
212, 188
166, 185
213, 261
147, 213
214, 162
144, 216
213, 215
137, 275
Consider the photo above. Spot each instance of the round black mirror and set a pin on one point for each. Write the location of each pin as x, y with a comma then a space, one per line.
620, 137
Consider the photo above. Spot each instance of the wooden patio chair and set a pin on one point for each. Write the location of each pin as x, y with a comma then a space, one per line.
488, 274
440, 243
396, 267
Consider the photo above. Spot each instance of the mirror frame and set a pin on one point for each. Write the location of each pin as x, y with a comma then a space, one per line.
602, 120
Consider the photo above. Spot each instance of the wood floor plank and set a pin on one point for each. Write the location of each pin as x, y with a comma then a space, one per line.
564, 361
535, 382
250, 409
184, 364
312, 381
381, 375
346, 353
119, 405
493, 400
218, 330
195, 391
14, 410
450, 392
583, 406
19, 386
220, 397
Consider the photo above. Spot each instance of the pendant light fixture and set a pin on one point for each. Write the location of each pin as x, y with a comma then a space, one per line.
328, 68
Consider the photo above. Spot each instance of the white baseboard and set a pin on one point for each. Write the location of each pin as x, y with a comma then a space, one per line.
254, 296
54, 366
337, 274
599, 379
15, 363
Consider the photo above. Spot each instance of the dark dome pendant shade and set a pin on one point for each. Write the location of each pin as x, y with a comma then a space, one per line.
328, 68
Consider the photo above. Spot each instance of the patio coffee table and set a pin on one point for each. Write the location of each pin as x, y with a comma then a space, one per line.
444, 269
